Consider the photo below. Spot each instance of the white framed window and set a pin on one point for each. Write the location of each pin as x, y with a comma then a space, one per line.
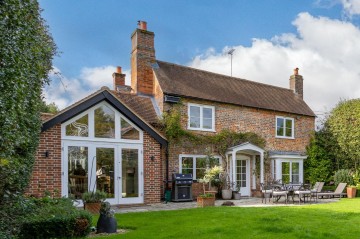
284, 127
288, 170
101, 122
197, 164
201, 117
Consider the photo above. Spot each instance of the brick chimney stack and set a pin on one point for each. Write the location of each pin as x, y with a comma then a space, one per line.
118, 79
142, 57
296, 83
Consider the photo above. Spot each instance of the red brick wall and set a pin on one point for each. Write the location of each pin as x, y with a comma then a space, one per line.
47, 171
259, 121
153, 178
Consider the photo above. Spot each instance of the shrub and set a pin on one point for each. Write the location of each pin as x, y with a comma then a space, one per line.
55, 218
344, 176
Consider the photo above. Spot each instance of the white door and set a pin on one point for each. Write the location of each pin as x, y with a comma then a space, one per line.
116, 170
242, 174
130, 179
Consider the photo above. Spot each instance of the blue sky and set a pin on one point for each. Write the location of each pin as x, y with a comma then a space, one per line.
270, 38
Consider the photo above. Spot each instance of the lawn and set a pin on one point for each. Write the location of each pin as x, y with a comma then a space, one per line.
334, 220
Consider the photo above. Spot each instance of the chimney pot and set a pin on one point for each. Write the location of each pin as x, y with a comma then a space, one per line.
296, 71
142, 25
118, 69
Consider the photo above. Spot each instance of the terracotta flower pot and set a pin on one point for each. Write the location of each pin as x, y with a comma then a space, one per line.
351, 192
205, 201
93, 207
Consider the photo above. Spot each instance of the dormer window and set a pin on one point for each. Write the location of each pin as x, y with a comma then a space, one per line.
201, 117
284, 127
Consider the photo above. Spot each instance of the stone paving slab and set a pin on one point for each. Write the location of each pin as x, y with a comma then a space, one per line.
243, 202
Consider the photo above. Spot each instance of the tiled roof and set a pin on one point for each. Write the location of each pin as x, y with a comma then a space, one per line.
142, 105
189, 82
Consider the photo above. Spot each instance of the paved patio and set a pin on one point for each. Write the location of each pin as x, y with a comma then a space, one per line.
243, 202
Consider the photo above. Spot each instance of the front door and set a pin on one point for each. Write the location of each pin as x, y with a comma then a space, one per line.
242, 174
116, 170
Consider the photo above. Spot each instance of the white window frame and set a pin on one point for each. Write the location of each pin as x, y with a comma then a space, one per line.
91, 125
292, 128
277, 160
201, 117
194, 156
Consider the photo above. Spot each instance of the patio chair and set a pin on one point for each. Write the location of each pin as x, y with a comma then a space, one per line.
277, 192
338, 192
317, 189
266, 192
303, 192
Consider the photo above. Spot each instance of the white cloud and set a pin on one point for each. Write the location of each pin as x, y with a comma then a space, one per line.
351, 7
326, 51
64, 91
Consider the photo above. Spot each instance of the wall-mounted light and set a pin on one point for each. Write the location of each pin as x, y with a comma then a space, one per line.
152, 158
46, 154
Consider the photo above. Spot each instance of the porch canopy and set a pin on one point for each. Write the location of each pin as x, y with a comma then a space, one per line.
246, 152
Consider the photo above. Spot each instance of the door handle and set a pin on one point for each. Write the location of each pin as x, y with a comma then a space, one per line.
119, 178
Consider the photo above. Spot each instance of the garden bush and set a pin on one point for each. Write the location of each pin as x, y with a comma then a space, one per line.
344, 176
54, 218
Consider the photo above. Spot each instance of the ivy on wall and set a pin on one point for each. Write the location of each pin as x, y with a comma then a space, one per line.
217, 143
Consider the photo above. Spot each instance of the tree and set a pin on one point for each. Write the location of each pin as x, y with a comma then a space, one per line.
344, 124
26, 52
48, 108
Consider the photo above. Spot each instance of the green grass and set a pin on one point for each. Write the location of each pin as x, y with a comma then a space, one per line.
334, 220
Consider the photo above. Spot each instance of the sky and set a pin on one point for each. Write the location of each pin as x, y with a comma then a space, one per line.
270, 38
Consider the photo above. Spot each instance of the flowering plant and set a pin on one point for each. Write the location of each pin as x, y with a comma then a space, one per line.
210, 175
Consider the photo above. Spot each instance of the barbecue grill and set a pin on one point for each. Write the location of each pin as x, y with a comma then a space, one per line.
182, 187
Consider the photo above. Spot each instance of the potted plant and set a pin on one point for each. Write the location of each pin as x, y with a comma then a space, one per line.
226, 185
92, 200
208, 197
106, 222
236, 192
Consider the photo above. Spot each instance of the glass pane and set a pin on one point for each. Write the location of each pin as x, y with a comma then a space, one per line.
105, 171
187, 162
130, 172
78, 127
194, 122
207, 123
195, 111
187, 170
207, 113
200, 173
214, 162
280, 127
285, 172
128, 131
295, 179
194, 116
77, 171
241, 173
295, 168
288, 132
104, 122
200, 162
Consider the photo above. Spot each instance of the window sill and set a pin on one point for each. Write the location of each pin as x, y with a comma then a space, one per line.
283, 137
200, 129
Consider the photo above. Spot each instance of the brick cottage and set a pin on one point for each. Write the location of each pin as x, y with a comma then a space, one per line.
111, 140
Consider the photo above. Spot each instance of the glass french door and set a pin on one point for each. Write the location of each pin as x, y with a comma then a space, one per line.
116, 170
242, 174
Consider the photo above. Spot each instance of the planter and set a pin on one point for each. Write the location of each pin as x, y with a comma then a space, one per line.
205, 201
106, 224
351, 192
93, 207
226, 194
236, 195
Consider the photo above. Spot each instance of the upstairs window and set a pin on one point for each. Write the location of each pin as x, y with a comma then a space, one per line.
201, 117
284, 127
